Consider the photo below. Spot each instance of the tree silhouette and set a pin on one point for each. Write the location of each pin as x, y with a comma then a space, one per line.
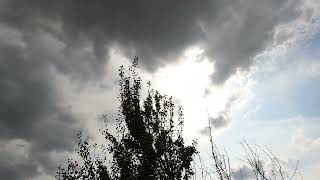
147, 145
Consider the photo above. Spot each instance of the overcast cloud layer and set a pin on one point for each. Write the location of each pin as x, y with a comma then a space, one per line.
39, 38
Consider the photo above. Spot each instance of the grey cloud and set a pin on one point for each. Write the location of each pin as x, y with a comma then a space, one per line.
232, 32
222, 119
30, 108
205, 131
77, 61
22, 170
219, 122
153, 29
73, 37
244, 172
244, 30
13, 157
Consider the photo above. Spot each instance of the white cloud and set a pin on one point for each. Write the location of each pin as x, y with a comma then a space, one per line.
303, 143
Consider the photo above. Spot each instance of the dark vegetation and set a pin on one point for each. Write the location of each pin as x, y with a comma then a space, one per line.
148, 145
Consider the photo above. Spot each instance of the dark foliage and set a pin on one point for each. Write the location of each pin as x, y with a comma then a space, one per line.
147, 145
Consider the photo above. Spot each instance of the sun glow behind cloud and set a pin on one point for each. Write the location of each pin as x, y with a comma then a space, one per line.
186, 81
189, 82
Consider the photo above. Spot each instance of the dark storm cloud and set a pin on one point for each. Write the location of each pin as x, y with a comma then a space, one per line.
73, 37
29, 107
245, 29
154, 30
14, 164
23, 170
232, 32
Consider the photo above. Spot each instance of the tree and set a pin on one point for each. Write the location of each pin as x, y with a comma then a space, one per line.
148, 144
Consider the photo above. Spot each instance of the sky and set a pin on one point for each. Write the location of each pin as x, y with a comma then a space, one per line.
250, 67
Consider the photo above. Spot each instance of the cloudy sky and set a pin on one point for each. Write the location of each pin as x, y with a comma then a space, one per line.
250, 67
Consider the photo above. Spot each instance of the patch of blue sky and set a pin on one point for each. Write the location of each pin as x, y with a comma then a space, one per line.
298, 98
284, 94
291, 87
313, 47
285, 102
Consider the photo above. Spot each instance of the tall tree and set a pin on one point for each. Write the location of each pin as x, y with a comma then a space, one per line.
148, 142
